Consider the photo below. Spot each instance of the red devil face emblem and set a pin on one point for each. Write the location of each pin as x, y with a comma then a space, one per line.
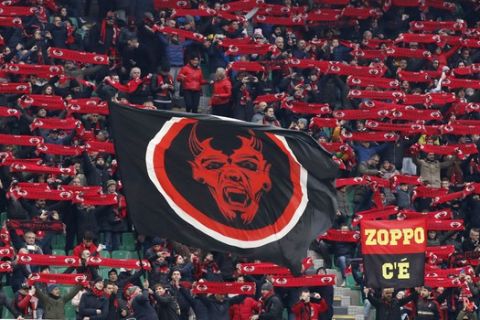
246, 288
248, 268
54, 69
57, 53
234, 177
80, 279
327, 279
25, 258
5, 266
455, 225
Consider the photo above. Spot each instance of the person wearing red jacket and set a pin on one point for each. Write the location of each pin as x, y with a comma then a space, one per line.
245, 307
87, 244
307, 310
191, 79
26, 302
222, 92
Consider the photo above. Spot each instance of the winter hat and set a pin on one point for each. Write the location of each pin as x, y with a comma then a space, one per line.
98, 279
157, 242
50, 287
267, 286
148, 16
111, 182
258, 32
303, 121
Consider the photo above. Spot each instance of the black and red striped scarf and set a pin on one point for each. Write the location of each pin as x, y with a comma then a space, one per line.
103, 32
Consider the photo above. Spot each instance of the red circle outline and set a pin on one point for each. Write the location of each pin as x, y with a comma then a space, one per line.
238, 234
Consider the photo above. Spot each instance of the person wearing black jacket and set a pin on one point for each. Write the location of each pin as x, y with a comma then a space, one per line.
217, 306
138, 301
97, 174
181, 294
93, 304
427, 308
166, 305
388, 306
272, 307
117, 308
57, 33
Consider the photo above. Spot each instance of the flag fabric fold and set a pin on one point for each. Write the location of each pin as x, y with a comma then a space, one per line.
215, 183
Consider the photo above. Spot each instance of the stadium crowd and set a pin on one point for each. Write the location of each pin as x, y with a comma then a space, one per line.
390, 88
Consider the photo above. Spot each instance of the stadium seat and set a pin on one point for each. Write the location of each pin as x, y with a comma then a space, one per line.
58, 269
350, 282
103, 272
122, 254
10, 295
70, 312
128, 241
104, 254
58, 241
58, 252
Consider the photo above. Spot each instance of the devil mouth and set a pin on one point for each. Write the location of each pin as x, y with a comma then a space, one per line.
236, 197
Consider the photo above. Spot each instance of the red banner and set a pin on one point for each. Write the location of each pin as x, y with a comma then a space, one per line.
41, 169
393, 237
119, 263
20, 140
55, 123
96, 199
204, 287
43, 71
48, 102
445, 225
15, 22
71, 261
48, 260
36, 225
440, 252
446, 273
436, 282
9, 112
15, 88
78, 56
304, 281
99, 146
7, 252
262, 268
58, 278
340, 236
393, 252
58, 149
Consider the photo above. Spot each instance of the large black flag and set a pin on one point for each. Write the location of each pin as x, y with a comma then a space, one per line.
224, 185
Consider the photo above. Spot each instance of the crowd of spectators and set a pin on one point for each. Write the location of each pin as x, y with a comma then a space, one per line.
391, 88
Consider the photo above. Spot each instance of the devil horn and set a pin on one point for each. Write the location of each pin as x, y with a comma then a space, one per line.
255, 142
193, 142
